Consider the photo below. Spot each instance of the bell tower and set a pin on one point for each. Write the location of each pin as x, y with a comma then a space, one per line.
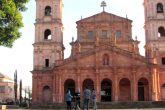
48, 45
155, 30
155, 43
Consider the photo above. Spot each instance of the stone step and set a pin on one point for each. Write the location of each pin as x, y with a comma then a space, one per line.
107, 105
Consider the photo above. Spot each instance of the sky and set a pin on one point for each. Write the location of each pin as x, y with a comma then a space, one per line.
20, 56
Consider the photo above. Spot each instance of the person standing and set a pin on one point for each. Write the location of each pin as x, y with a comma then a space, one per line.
77, 99
68, 99
87, 95
93, 97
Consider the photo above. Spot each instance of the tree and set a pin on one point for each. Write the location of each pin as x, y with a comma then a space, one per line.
11, 20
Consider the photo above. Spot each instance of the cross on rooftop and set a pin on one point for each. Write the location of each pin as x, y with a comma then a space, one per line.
103, 4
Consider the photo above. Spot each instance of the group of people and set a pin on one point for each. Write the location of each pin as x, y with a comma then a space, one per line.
88, 96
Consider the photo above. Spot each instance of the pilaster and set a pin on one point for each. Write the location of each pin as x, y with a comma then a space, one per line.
78, 82
134, 86
98, 86
115, 90
54, 88
154, 85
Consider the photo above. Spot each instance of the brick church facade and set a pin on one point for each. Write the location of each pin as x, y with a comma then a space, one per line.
104, 56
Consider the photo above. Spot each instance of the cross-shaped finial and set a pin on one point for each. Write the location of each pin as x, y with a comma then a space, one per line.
72, 39
103, 4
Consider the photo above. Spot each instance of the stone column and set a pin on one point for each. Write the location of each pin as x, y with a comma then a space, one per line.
98, 86
97, 73
158, 82
157, 85
116, 86
154, 84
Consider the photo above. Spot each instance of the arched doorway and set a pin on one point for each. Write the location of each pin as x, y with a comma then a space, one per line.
47, 94
163, 92
106, 90
143, 89
69, 84
88, 83
124, 90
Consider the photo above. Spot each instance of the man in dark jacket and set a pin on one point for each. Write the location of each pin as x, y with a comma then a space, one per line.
77, 99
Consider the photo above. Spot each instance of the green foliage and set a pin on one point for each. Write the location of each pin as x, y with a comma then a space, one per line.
11, 20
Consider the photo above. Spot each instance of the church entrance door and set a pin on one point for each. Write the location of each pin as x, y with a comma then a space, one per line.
140, 91
69, 84
106, 90
88, 83
124, 90
143, 89
46, 93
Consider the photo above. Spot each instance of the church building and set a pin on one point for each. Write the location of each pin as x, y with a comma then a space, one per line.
104, 56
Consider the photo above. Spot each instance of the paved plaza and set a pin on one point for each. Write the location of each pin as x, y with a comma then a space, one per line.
97, 109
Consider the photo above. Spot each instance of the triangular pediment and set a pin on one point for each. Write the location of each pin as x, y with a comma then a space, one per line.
104, 17
117, 57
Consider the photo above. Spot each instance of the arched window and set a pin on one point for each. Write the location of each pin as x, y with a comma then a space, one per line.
47, 11
159, 8
161, 32
47, 34
105, 59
